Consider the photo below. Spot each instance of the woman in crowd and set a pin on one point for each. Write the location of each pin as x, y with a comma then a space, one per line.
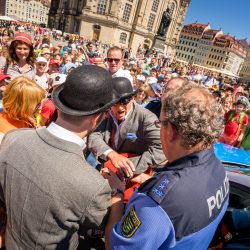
3, 55
21, 102
21, 57
5, 36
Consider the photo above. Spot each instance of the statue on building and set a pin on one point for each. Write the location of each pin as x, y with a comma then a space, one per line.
165, 22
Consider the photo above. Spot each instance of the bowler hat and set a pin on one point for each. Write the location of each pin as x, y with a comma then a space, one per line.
87, 90
123, 87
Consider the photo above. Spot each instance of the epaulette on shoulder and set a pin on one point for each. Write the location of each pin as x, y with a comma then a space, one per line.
162, 186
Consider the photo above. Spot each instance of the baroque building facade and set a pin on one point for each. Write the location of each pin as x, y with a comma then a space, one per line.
209, 48
126, 23
35, 11
245, 70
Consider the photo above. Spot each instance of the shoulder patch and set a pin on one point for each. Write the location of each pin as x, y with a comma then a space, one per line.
130, 223
162, 187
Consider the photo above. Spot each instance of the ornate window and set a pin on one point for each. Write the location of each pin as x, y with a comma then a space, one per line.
155, 5
123, 37
101, 7
126, 12
151, 21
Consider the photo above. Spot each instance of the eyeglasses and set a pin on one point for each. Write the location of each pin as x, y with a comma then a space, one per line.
116, 60
41, 64
38, 106
159, 124
124, 101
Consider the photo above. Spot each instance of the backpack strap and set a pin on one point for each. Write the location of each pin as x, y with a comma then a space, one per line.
231, 116
241, 117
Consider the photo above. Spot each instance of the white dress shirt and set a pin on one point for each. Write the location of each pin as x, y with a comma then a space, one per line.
66, 135
123, 73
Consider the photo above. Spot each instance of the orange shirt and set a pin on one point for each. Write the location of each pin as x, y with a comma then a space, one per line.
7, 124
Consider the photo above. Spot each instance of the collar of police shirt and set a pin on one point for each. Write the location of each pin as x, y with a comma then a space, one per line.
66, 135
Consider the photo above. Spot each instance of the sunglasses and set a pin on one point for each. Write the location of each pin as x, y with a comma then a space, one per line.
41, 64
125, 101
116, 60
38, 106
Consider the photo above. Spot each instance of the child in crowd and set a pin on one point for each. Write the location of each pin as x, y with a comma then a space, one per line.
141, 97
236, 121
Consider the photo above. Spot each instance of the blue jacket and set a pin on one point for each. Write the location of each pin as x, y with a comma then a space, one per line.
179, 208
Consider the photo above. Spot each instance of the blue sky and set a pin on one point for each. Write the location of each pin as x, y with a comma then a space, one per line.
233, 16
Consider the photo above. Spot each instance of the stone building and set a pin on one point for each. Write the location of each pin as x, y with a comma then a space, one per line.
35, 11
203, 46
245, 70
189, 42
126, 23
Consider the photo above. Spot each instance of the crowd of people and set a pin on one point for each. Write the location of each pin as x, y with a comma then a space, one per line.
85, 127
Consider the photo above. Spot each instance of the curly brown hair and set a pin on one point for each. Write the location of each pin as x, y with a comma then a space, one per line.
197, 117
12, 56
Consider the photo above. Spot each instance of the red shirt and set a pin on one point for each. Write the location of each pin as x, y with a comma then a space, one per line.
232, 126
48, 110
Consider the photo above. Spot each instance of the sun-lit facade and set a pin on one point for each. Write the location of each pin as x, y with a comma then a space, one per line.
126, 23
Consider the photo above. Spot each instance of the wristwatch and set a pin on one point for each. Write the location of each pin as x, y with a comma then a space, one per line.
117, 191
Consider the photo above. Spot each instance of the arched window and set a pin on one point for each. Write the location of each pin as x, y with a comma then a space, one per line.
123, 37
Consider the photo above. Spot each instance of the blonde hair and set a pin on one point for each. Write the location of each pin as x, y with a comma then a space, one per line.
21, 98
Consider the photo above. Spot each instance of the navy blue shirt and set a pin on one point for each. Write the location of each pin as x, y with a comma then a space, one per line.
179, 208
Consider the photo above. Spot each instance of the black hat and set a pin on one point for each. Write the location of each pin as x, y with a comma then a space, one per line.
123, 87
87, 90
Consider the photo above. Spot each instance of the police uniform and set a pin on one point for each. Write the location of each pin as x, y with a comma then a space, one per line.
179, 208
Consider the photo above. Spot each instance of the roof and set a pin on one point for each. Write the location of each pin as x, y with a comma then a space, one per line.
230, 154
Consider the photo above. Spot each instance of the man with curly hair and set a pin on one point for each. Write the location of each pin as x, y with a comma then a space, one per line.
182, 205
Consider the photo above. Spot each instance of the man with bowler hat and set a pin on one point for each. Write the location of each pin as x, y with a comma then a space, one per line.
49, 190
130, 129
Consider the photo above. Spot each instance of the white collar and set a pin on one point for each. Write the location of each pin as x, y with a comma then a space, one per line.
66, 135
118, 72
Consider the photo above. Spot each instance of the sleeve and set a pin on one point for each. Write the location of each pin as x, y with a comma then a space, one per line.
151, 136
245, 120
96, 141
145, 225
97, 212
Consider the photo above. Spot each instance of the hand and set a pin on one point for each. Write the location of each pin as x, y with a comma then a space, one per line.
122, 163
240, 137
140, 178
113, 179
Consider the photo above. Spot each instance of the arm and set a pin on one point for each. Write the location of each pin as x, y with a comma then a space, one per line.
151, 137
144, 225
98, 140
97, 212
116, 212
117, 204
98, 145
243, 129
